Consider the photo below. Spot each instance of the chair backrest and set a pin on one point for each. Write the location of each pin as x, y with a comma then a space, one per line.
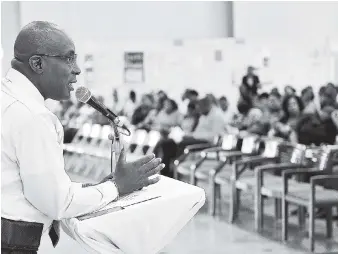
229, 142
250, 144
297, 153
140, 137
83, 132
153, 138
106, 130
95, 131
328, 157
271, 147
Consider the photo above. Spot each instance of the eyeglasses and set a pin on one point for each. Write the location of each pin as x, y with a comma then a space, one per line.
71, 60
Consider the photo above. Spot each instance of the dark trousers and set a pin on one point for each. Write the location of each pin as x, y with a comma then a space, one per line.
4, 251
20, 237
168, 151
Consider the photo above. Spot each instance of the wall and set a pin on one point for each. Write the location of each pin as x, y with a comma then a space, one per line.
10, 26
134, 20
305, 21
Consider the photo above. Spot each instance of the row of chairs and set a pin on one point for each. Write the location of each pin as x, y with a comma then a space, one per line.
89, 153
266, 168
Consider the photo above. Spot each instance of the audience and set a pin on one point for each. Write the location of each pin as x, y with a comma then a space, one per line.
250, 85
286, 127
142, 111
130, 106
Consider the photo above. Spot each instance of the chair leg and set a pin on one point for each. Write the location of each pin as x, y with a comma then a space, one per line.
285, 220
301, 216
212, 198
329, 222
259, 210
311, 227
233, 202
277, 209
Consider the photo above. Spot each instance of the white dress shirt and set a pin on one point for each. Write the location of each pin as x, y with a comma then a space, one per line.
34, 184
211, 125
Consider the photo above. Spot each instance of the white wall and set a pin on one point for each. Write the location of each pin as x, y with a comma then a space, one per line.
137, 20
304, 21
10, 26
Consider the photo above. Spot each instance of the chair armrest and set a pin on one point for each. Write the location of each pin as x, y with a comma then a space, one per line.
190, 149
213, 150
241, 165
256, 159
327, 181
286, 174
260, 170
313, 171
198, 147
213, 172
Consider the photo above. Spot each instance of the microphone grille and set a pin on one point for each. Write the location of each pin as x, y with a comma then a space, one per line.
83, 94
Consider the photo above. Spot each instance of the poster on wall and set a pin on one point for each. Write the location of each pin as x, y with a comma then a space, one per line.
133, 67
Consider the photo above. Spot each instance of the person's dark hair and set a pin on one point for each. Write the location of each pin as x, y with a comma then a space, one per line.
244, 106
173, 104
193, 92
276, 94
309, 90
132, 95
223, 98
322, 90
263, 96
285, 106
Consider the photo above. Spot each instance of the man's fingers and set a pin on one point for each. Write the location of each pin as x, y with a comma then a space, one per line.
154, 171
122, 157
145, 159
151, 165
151, 181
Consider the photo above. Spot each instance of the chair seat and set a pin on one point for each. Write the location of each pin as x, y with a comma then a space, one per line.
202, 172
184, 167
272, 187
224, 176
322, 196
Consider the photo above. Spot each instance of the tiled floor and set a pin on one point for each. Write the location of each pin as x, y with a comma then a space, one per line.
208, 235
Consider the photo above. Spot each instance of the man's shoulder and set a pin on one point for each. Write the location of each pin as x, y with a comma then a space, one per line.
20, 112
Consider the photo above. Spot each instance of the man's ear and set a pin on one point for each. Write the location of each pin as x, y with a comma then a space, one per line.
35, 62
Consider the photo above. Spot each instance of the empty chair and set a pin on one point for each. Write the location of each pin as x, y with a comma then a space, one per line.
203, 155
228, 175
321, 192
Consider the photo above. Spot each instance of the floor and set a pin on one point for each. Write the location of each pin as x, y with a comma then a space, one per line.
214, 235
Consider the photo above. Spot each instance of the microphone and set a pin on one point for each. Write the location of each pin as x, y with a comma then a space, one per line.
85, 96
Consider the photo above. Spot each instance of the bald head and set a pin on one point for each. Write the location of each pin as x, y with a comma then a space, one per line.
40, 37
46, 56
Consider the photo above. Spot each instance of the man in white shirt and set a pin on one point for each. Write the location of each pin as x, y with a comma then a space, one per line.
36, 192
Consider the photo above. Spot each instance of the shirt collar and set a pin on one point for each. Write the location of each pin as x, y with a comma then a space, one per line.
23, 87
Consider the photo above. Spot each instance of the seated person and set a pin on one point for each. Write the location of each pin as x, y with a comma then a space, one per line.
210, 125
318, 128
286, 128
164, 120
142, 111
190, 120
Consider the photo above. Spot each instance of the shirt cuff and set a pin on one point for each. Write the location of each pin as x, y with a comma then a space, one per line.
108, 190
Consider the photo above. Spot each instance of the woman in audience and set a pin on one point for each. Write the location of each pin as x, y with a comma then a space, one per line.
308, 96
130, 105
142, 111
190, 120
163, 119
286, 128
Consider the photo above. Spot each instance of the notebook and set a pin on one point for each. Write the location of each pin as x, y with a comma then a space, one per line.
123, 202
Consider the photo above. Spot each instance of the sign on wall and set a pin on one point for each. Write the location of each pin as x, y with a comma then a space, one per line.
134, 67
